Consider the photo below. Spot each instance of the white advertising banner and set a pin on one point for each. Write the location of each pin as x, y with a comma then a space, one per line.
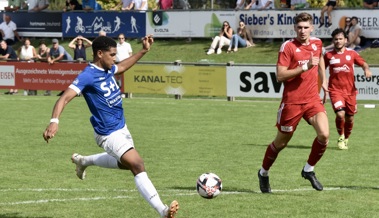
254, 81
262, 24
187, 23
260, 82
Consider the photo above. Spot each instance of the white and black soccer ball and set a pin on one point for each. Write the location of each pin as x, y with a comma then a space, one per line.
209, 185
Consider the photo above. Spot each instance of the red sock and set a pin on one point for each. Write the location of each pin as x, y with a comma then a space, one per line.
317, 151
340, 123
270, 156
348, 129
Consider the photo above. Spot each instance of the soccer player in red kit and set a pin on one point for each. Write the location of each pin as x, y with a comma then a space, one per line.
300, 64
342, 89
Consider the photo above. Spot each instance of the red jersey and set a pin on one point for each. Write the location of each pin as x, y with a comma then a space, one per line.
341, 70
302, 88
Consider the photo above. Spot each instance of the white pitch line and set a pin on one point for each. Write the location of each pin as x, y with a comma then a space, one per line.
181, 193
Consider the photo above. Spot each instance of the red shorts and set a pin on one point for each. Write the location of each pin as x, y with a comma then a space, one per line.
289, 115
348, 103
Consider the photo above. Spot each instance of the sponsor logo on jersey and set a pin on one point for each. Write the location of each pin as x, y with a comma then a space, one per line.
344, 68
334, 61
348, 57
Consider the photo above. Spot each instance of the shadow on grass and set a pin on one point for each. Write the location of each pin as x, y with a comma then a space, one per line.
229, 189
297, 146
18, 215
288, 146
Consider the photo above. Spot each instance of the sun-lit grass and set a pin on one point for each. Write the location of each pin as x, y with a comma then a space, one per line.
179, 140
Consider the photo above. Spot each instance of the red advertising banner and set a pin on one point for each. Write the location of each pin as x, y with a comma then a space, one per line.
38, 76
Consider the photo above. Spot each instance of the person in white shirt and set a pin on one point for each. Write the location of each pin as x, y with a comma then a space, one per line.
8, 30
261, 5
27, 51
140, 5
240, 4
37, 5
124, 50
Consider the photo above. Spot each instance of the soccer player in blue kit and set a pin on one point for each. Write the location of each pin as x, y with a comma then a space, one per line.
103, 96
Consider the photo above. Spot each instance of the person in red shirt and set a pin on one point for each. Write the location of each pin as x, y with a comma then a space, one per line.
342, 90
300, 65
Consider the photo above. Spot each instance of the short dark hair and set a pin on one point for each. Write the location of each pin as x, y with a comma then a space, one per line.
42, 41
338, 31
303, 17
103, 43
354, 18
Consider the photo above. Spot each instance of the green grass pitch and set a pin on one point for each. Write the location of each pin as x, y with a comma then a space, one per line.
179, 140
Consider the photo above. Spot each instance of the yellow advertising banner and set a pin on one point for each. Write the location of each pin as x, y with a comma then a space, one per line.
176, 80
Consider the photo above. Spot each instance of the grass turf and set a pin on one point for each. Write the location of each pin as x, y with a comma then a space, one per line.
179, 140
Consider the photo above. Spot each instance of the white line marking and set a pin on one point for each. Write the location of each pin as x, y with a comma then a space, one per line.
178, 193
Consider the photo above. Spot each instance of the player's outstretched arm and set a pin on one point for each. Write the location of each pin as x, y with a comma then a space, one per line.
124, 65
52, 128
367, 70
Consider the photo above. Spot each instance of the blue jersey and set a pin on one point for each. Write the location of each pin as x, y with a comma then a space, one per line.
103, 97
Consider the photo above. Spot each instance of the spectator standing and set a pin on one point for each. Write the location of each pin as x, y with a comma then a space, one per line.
108, 120
330, 5
91, 5
7, 52
37, 5
300, 65
240, 4
124, 5
342, 90
164, 4
79, 44
370, 4
261, 5
8, 30
354, 37
223, 38
124, 50
27, 52
13, 5
73, 5
140, 5
43, 51
42, 54
241, 39
57, 53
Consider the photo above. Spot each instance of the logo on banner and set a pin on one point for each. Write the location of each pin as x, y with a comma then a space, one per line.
98, 24
158, 18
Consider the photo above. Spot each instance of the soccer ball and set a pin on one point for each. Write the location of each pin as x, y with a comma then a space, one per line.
209, 185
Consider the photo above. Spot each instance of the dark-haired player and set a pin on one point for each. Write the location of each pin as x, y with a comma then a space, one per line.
342, 89
103, 96
300, 63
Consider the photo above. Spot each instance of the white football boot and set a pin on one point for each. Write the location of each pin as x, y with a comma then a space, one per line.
77, 159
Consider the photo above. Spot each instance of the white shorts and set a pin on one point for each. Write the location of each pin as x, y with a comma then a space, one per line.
117, 143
